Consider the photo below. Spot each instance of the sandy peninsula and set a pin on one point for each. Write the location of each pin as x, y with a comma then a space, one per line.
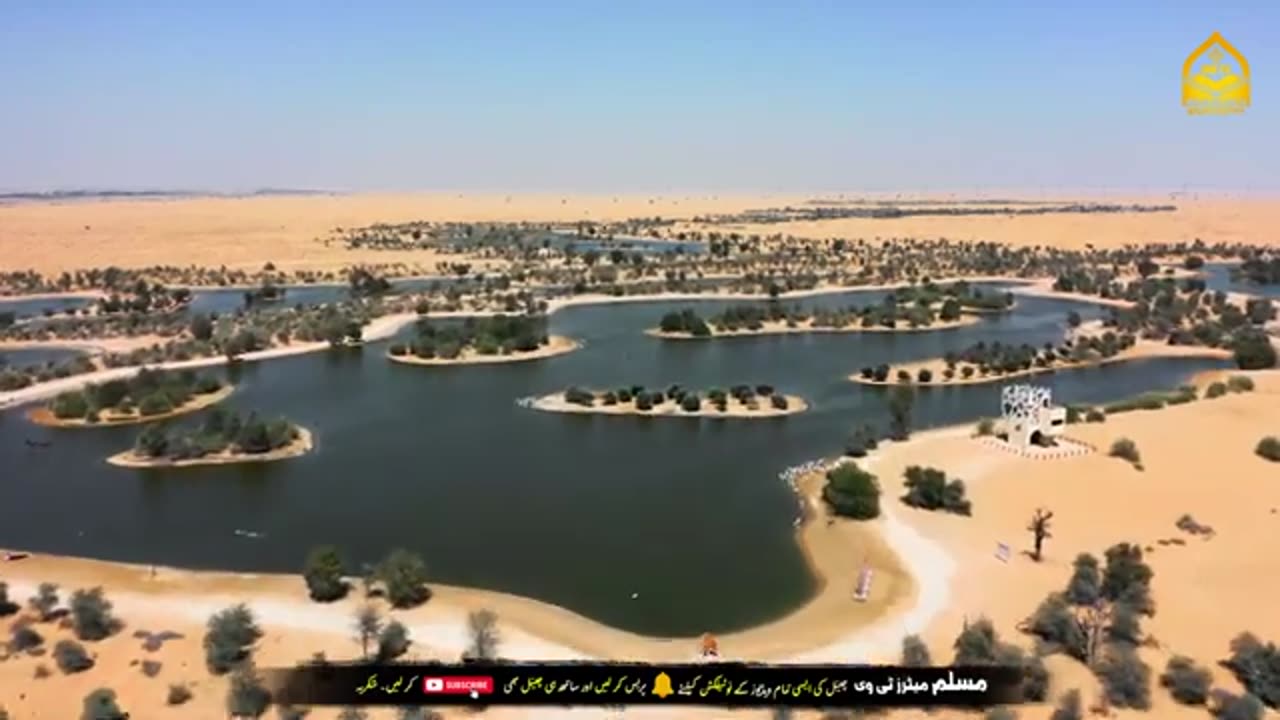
300, 446
556, 345
1141, 350
779, 327
111, 417
556, 402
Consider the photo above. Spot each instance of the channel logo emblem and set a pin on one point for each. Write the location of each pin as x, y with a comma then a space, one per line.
458, 685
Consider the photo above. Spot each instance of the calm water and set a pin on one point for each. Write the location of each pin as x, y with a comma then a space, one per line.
1218, 277
23, 357
581, 511
39, 306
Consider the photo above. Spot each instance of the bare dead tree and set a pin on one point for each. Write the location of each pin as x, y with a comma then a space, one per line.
1093, 621
1039, 528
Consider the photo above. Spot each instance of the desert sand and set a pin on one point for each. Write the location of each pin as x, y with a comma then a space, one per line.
555, 402
246, 233
556, 345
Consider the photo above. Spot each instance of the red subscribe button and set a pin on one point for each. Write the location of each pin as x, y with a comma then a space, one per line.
458, 685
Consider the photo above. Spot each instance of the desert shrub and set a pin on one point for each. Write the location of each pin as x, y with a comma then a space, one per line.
101, 705
151, 668
45, 601
178, 694
779, 402
418, 712
1253, 350
977, 643
1127, 578
1085, 585
643, 402
323, 574
860, 441
1126, 624
398, 349
1126, 679
914, 652
91, 617
925, 375
1187, 682
578, 396
7, 606
691, 403
71, 657
1241, 707
1095, 415
393, 641
1070, 707
247, 696
1055, 625
229, 638
1035, 680
852, 492
1240, 383
1126, 449
929, 489
901, 401
986, 426
1269, 448
404, 575
23, 637
1257, 666
1214, 390
156, 403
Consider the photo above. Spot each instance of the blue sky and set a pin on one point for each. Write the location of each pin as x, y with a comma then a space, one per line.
626, 96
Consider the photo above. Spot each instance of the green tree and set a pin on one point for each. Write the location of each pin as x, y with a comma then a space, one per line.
393, 641
323, 574
91, 617
1085, 586
404, 576
852, 492
914, 652
229, 638
902, 399
247, 696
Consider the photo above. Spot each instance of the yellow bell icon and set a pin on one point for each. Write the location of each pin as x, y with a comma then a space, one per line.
662, 685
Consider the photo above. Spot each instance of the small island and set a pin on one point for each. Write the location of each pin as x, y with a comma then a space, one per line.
985, 362
148, 396
1258, 271
223, 438
500, 338
740, 401
909, 309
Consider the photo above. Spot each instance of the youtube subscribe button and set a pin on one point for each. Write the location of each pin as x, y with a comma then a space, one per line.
458, 685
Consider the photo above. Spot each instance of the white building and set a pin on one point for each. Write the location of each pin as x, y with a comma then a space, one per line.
1028, 415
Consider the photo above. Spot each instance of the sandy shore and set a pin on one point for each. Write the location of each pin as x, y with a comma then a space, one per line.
1142, 350
779, 327
299, 447
44, 415
555, 402
556, 345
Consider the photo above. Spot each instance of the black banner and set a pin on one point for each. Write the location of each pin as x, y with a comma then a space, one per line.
610, 684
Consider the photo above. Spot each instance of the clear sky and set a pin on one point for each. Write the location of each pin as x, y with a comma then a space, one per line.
627, 96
